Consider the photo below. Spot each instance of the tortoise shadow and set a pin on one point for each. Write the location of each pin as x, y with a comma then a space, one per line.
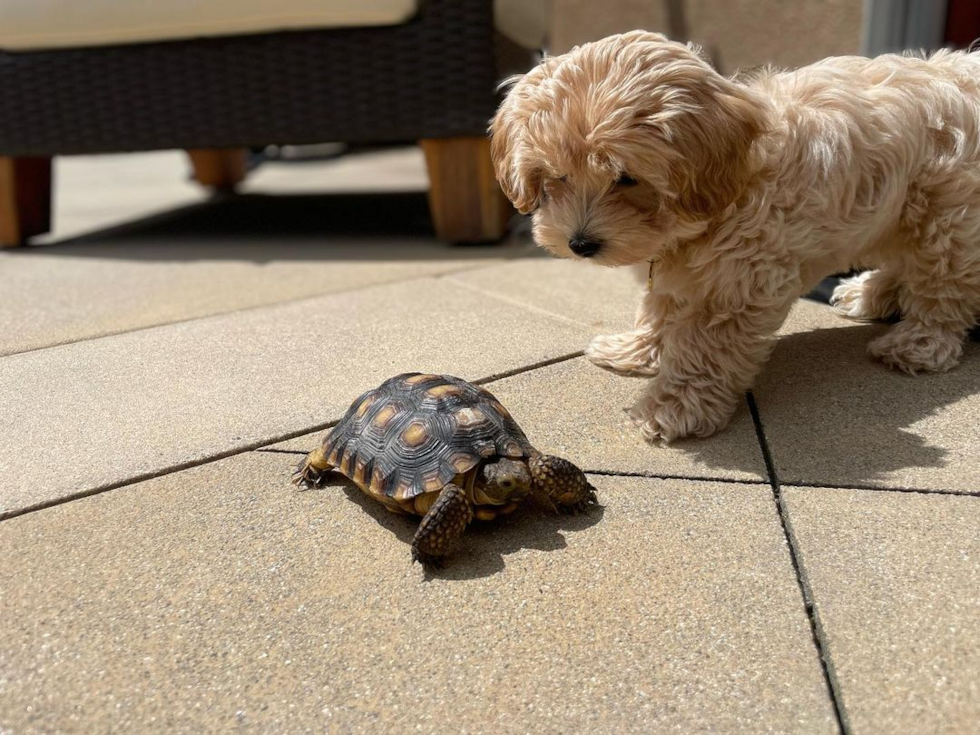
485, 544
533, 526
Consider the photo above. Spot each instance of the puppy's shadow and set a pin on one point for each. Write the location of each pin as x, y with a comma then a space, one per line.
832, 415
484, 546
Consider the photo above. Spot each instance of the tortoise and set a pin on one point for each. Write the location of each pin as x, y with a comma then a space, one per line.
445, 449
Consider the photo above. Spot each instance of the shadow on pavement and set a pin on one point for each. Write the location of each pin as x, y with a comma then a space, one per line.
261, 228
484, 546
822, 396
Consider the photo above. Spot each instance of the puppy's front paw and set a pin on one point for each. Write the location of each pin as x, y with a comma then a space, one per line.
631, 353
662, 422
664, 417
645, 419
847, 300
868, 296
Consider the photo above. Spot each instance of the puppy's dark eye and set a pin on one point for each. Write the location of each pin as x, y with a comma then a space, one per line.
626, 180
563, 179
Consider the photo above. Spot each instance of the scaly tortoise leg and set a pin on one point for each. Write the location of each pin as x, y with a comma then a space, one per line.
312, 471
564, 484
442, 525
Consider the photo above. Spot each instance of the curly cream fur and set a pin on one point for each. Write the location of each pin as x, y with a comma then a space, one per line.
748, 193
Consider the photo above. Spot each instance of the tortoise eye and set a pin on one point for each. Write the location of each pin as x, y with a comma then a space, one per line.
506, 484
626, 180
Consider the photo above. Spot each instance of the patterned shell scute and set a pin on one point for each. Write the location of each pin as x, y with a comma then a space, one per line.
415, 432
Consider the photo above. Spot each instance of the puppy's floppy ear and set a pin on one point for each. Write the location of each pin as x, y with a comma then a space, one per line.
715, 141
518, 174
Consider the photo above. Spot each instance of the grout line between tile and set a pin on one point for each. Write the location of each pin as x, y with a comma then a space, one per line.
528, 368
760, 436
817, 629
809, 603
883, 489
241, 449
179, 467
664, 476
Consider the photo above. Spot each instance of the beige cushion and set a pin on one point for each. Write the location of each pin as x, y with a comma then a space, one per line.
38, 24
41, 24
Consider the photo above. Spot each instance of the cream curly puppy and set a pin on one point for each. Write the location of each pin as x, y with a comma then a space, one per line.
738, 196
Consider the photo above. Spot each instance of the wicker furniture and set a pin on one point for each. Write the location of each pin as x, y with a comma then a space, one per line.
432, 79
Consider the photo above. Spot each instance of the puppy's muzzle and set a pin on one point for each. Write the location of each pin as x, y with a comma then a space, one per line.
584, 248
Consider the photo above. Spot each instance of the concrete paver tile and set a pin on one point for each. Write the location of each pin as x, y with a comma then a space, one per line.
833, 416
896, 581
81, 291
95, 413
605, 299
220, 597
386, 169
92, 192
304, 229
576, 410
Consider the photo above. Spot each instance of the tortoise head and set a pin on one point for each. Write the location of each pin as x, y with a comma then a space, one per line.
566, 485
506, 480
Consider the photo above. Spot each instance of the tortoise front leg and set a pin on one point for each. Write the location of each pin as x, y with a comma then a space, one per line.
442, 525
312, 471
565, 485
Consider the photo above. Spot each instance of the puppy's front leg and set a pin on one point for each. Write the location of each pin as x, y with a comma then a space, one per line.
635, 352
708, 359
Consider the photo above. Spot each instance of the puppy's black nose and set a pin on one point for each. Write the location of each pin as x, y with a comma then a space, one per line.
584, 248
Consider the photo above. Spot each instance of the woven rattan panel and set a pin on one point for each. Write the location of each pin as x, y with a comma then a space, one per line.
432, 77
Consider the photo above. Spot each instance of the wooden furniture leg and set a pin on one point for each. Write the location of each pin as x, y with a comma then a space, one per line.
219, 168
466, 202
25, 199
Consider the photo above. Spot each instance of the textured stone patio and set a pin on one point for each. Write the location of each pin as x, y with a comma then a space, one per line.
165, 359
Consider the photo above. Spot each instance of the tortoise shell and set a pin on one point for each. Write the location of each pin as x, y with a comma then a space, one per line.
415, 433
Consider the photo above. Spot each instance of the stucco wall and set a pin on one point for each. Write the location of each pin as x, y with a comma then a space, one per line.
737, 33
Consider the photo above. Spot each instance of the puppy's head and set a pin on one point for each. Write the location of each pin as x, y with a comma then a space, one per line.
624, 146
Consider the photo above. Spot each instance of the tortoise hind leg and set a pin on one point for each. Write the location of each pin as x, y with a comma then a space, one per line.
312, 471
442, 525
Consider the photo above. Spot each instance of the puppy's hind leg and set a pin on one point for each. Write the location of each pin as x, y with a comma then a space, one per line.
635, 352
916, 344
868, 296
940, 296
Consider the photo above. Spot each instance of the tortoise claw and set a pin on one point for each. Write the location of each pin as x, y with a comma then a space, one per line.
305, 476
582, 506
428, 560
